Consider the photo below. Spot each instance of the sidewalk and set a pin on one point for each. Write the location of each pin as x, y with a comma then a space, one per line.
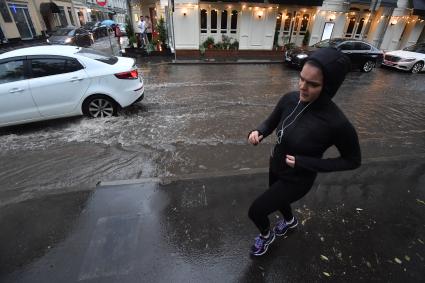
109, 45
360, 226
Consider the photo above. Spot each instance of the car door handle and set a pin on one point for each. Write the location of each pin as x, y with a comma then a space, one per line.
74, 79
13, 90
348, 52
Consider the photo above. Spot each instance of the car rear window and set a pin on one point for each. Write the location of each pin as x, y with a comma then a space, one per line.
327, 43
98, 56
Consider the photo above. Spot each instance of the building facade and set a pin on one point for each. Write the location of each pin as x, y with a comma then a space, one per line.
267, 25
31, 19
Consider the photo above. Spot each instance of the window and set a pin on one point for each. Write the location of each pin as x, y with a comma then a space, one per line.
203, 21
71, 18
62, 17
361, 46
304, 22
278, 21
350, 27
213, 21
47, 67
99, 56
287, 24
224, 21
72, 65
234, 22
360, 27
12, 71
347, 46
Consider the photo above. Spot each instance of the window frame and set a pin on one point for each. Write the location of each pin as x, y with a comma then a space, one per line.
38, 57
25, 63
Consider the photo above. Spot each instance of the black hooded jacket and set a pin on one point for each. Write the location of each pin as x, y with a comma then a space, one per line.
312, 128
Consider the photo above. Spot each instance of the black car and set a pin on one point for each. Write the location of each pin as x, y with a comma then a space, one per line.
363, 55
71, 36
97, 29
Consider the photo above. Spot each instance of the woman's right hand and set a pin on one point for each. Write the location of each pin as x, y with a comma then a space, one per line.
255, 138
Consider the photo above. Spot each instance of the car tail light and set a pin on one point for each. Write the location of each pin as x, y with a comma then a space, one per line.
130, 75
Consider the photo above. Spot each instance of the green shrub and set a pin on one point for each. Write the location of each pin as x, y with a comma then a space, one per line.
208, 42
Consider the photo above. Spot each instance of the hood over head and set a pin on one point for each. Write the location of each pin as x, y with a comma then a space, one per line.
335, 65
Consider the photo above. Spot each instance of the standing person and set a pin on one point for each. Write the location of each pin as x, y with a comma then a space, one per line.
149, 29
307, 123
141, 32
118, 34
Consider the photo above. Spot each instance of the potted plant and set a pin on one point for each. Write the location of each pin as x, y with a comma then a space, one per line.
132, 40
209, 42
162, 33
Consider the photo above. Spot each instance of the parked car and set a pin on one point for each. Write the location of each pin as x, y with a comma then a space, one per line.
97, 29
411, 58
46, 82
71, 36
363, 55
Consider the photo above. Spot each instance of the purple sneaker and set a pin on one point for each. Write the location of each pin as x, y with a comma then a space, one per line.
282, 227
261, 244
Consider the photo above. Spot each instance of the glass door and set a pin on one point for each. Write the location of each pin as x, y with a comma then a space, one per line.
22, 20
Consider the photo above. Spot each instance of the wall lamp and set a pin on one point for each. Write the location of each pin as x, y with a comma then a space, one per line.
259, 14
184, 11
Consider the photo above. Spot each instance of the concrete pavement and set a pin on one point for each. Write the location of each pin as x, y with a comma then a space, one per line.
365, 225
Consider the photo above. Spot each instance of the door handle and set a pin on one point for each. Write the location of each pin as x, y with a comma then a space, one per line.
75, 79
13, 90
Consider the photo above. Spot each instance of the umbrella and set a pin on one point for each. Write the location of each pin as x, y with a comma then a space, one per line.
108, 23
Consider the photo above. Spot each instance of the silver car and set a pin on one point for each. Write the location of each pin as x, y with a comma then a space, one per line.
411, 58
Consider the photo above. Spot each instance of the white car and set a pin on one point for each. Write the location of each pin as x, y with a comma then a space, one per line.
46, 82
411, 58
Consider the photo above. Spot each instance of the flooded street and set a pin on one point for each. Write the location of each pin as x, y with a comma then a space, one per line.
195, 119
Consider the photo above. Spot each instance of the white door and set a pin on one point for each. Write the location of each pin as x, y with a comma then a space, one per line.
57, 85
355, 26
294, 25
16, 102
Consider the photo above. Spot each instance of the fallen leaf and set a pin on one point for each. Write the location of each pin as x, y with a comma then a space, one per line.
324, 257
359, 209
407, 257
420, 241
322, 239
397, 260
368, 264
420, 201
327, 274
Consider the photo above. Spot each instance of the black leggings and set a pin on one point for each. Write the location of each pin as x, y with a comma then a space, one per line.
279, 196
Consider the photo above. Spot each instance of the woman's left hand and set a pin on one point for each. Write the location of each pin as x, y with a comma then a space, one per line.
290, 160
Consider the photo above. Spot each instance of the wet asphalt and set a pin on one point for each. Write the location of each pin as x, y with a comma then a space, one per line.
189, 223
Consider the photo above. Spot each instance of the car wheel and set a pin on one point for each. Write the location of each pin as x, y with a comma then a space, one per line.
417, 67
368, 66
100, 106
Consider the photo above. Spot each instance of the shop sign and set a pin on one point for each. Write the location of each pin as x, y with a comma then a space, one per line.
101, 2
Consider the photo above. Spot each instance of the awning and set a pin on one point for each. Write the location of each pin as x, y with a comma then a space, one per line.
50, 7
389, 3
419, 7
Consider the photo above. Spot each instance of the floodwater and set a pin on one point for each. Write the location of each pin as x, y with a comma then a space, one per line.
195, 119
